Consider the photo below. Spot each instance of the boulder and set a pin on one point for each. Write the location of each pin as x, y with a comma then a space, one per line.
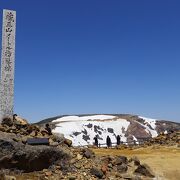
48, 173
68, 142
33, 158
6, 145
5, 161
136, 161
120, 160
44, 133
2, 128
55, 144
79, 157
145, 171
7, 121
122, 168
58, 137
104, 168
20, 121
123, 159
107, 159
10, 137
96, 172
88, 153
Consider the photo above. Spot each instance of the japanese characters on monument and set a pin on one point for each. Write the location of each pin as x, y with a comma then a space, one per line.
7, 64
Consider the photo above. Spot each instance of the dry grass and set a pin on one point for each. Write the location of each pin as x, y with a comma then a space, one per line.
164, 161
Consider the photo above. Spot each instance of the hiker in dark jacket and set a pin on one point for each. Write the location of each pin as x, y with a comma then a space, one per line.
96, 141
118, 140
108, 141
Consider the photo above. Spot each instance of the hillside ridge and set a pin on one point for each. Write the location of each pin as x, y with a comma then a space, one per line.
81, 129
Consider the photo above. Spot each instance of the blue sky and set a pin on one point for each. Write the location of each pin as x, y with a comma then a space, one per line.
97, 56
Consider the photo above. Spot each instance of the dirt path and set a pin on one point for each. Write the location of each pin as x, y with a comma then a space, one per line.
164, 161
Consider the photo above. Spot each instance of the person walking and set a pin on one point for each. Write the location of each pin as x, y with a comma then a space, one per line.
96, 141
108, 142
118, 140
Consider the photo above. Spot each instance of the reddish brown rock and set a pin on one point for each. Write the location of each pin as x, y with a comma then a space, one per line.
104, 168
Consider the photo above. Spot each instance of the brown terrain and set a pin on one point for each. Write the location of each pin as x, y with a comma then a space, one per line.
163, 160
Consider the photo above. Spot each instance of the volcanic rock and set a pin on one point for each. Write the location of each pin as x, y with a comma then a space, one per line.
136, 161
6, 145
68, 142
88, 153
144, 170
32, 158
120, 160
104, 168
79, 157
97, 172
7, 121
20, 121
122, 168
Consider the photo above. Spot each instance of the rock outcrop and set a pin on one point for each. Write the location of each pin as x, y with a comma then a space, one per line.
170, 138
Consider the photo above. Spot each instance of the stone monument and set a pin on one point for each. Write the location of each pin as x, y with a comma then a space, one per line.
7, 64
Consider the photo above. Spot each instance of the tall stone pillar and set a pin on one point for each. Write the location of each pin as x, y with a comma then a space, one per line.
7, 64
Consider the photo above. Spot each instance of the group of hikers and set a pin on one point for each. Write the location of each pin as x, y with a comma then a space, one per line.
108, 141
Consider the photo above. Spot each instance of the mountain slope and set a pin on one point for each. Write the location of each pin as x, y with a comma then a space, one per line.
82, 129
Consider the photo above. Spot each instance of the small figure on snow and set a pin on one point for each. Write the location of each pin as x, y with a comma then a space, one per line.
108, 142
96, 141
118, 140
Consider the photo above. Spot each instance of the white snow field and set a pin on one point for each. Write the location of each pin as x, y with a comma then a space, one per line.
90, 126
77, 118
82, 129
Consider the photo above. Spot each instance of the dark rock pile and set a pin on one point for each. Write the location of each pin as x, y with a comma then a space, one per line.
171, 138
59, 160
20, 126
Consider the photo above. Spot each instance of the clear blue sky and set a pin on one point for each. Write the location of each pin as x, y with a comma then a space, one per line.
98, 56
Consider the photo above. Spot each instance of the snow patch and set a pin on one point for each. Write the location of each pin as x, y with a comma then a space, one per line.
84, 118
135, 139
150, 125
82, 131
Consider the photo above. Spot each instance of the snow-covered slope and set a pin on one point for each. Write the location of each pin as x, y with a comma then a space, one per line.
84, 118
82, 129
150, 126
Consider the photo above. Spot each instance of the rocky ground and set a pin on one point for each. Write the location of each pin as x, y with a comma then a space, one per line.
59, 160
163, 160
